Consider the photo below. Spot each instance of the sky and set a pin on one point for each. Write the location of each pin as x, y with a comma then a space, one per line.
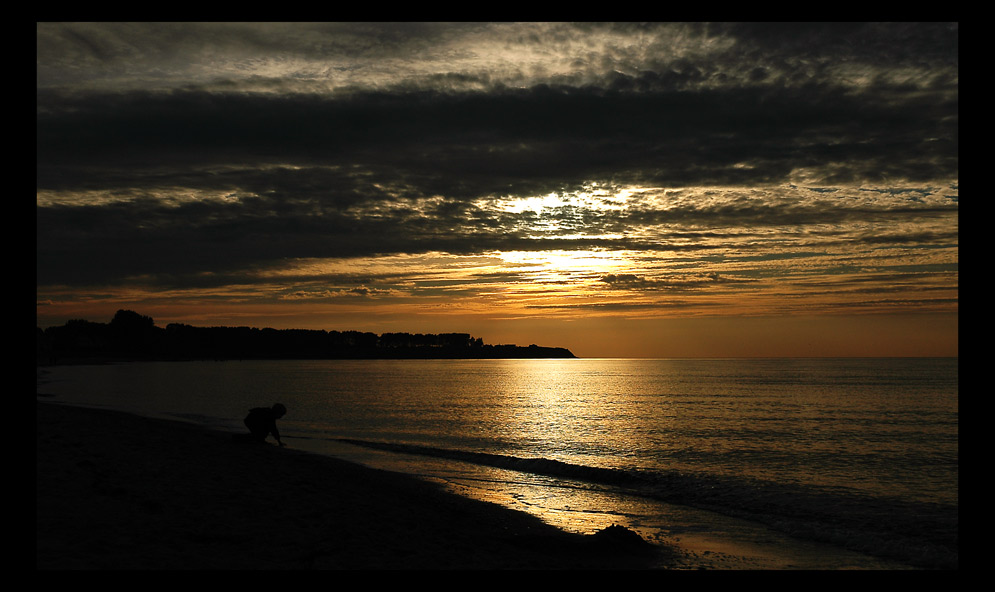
620, 189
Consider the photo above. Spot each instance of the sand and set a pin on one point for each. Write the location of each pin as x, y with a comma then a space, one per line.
118, 491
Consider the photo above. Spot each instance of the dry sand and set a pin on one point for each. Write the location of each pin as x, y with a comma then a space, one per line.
117, 491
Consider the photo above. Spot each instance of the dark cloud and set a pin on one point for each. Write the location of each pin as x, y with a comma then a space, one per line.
199, 174
499, 142
683, 282
884, 44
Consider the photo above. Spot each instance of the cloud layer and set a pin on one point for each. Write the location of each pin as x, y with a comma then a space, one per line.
206, 156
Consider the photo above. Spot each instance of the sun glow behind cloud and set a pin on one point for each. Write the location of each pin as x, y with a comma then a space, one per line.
736, 251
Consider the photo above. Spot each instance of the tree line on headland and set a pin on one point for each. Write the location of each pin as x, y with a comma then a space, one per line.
132, 336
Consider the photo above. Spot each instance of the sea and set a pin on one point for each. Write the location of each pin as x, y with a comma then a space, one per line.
850, 463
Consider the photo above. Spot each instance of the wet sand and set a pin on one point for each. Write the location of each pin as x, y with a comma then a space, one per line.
118, 491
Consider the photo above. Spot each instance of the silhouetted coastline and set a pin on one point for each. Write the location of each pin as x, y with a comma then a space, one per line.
131, 336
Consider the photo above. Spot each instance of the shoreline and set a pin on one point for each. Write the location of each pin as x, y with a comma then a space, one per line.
121, 491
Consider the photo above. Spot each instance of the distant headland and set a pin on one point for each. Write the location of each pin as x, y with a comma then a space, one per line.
132, 337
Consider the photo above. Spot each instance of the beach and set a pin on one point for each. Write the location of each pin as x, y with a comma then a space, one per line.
120, 491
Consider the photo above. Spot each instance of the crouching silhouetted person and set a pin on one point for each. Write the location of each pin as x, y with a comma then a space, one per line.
261, 422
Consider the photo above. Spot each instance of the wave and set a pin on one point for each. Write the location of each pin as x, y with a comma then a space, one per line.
920, 534
536, 466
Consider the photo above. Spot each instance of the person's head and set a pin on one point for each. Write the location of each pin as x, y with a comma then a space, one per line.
279, 410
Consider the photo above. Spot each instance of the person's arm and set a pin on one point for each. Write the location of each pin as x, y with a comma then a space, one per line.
276, 434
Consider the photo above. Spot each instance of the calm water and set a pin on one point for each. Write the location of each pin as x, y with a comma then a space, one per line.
857, 453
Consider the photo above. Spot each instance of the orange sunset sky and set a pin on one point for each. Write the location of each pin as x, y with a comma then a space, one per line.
631, 190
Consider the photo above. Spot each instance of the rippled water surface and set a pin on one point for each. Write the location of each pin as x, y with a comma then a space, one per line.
802, 441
